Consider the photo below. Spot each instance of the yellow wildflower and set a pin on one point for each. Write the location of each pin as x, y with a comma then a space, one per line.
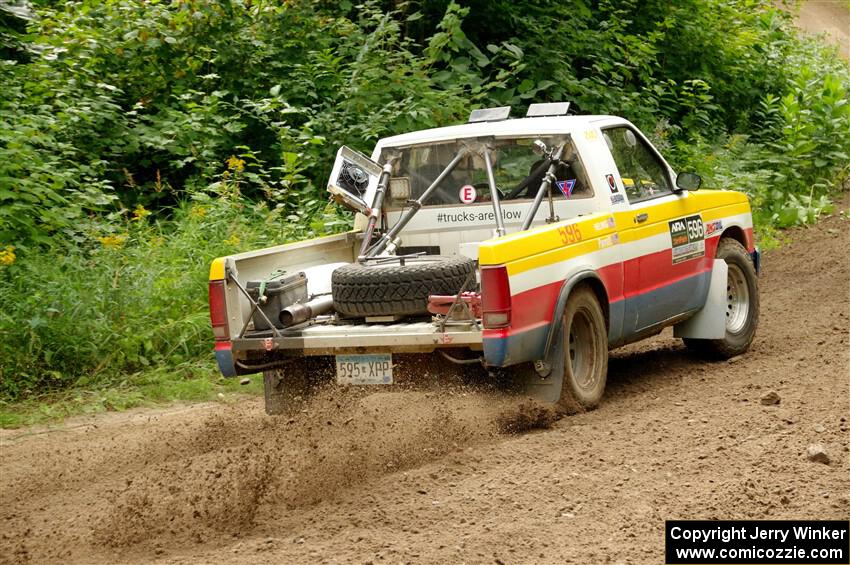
234, 163
7, 256
140, 213
113, 241
198, 211
233, 240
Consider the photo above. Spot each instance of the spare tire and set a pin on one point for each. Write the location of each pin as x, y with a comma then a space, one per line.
397, 286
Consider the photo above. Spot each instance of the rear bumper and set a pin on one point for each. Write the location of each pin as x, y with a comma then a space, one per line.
416, 337
502, 349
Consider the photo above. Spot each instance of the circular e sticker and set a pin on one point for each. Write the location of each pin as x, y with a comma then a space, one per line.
467, 194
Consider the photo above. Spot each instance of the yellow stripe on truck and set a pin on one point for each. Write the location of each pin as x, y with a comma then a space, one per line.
724, 211
525, 245
549, 244
217, 269
553, 256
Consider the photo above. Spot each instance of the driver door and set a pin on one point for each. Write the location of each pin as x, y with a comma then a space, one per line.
667, 265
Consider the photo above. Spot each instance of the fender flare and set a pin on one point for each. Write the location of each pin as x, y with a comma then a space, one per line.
564, 294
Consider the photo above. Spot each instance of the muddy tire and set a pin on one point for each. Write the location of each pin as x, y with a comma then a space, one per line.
742, 305
287, 388
585, 352
392, 288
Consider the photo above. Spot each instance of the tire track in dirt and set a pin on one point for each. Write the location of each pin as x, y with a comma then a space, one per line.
198, 477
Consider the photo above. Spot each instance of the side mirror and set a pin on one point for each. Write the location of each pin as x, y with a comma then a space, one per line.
688, 181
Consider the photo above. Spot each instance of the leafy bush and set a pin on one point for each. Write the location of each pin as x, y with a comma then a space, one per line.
142, 101
132, 297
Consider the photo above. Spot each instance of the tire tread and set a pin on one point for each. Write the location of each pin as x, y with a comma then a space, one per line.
380, 290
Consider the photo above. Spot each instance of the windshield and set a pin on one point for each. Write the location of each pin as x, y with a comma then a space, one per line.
518, 171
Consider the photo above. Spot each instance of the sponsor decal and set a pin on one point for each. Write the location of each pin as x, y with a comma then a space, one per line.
569, 234
713, 227
605, 224
566, 187
617, 198
591, 134
464, 217
612, 239
268, 344
612, 184
687, 236
468, 194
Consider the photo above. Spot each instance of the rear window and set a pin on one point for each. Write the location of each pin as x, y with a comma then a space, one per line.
518, 171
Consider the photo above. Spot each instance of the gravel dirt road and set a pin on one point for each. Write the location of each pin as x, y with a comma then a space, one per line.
430, 474
830, 17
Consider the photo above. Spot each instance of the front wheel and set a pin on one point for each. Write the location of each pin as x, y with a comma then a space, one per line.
585, 352
742, 304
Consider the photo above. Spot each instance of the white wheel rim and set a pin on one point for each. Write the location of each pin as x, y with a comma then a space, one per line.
737, 300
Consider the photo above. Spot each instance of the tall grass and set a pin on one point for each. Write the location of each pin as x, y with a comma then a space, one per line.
129, 298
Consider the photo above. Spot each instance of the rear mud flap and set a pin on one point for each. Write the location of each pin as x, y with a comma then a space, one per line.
224, 358
548, 388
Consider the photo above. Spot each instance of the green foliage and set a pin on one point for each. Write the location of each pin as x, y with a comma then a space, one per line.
132, 297
726, 85
124, 98
126, 102
46, 180
140, 139
798, 151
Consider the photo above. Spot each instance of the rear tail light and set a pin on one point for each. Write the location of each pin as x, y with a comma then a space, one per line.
495, 297
218, 311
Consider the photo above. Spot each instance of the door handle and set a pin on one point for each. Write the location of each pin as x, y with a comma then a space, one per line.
640, 218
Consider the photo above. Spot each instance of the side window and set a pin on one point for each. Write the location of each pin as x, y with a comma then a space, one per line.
570, 177
643, 174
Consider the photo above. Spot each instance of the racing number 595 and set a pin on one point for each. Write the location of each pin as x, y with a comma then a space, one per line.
569, 234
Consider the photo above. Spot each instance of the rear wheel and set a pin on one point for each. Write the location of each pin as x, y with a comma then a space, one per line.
585, 352
742, 304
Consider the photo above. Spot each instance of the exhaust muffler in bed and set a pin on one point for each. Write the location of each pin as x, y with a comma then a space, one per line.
298, 313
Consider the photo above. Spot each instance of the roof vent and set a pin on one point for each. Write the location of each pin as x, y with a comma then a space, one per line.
490, 114
548, 109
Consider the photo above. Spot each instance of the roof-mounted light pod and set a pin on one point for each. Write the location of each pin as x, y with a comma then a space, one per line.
489, 114
548, 109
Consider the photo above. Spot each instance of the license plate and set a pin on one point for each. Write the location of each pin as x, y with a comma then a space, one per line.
375, 369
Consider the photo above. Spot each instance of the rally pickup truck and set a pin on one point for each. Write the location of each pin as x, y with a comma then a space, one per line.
530, 246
